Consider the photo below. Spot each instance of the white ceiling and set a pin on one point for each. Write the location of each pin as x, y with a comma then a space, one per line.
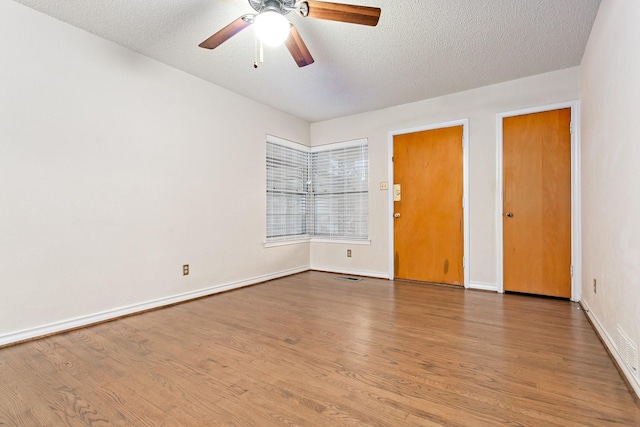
419, 50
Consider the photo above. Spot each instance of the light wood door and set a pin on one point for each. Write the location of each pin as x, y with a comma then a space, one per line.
537, 203
428, 234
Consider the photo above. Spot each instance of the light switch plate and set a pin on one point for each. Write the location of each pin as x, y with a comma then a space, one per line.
397, 196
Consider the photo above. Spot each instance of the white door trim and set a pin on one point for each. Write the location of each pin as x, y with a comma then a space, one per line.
465, 190
576, 255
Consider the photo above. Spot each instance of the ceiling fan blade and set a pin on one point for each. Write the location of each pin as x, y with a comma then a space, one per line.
363, 15
298, 49
227, 32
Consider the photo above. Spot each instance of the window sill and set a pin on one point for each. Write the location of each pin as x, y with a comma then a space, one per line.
286, 242
274, 244
366, 242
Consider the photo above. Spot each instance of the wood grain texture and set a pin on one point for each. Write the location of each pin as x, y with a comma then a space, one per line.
309, 350
429, 234
225, 34
537, 190
298, 49
353, 14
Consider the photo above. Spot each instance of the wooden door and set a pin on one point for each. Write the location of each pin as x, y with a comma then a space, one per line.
428, 234
537, 203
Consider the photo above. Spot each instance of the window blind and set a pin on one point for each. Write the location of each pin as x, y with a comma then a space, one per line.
322, 193
287, 198
339, 190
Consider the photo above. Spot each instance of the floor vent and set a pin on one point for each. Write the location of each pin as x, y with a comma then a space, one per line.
348, 278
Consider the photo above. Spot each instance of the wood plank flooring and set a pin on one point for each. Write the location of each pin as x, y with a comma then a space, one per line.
309, 350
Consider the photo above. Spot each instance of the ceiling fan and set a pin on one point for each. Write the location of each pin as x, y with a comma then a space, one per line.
272, 27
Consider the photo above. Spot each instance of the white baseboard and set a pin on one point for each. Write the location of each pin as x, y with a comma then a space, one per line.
82, 321
338, 270
483, 286
611, 346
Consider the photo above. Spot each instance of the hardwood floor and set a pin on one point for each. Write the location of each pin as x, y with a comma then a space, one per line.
310, 350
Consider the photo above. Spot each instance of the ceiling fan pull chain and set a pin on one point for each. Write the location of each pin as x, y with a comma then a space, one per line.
259, 59
261, 52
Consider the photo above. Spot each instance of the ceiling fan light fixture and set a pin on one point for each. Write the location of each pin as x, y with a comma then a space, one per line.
271, 27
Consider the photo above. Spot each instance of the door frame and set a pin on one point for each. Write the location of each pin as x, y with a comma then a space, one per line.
576, 252
465, 190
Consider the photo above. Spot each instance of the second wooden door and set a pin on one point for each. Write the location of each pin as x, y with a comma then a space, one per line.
537, 203
428, 228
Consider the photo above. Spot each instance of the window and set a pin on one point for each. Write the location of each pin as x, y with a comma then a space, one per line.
339, 189
320, 192
287, 192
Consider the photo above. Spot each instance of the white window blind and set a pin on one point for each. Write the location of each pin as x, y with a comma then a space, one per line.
340, 192
287, 199
319, 193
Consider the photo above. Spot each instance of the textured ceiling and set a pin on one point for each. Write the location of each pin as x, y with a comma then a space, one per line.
420, 48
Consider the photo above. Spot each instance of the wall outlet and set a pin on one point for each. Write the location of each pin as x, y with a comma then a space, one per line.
185, 270
384, 185
595, 286
348, 253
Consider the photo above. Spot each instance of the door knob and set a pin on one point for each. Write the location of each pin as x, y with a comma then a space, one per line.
510, 214
396, 215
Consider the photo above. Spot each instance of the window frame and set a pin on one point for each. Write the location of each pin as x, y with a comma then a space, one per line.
342, 190
310, 194
299, 193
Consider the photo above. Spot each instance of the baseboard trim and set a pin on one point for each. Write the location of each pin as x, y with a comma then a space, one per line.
363, 273
606, 339
13, 338
483, 286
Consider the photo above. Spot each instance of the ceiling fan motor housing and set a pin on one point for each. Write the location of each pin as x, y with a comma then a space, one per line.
280, 6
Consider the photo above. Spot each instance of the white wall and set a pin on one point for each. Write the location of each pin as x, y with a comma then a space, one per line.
610, 94
114, 171
480, 106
